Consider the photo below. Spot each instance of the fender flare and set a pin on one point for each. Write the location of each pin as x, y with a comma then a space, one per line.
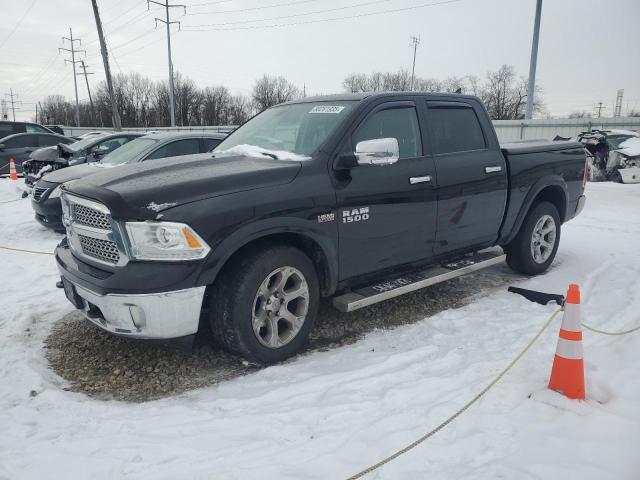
555, 181
264, 228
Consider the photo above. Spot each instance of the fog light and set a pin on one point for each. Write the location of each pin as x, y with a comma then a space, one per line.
137, 316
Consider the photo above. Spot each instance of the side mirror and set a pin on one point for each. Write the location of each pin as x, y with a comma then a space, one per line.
2, 147
379, 151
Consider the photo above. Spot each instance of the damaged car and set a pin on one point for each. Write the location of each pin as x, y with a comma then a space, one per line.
614, 155
89, 149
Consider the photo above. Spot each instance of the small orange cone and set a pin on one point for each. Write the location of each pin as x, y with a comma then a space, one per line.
567, 374
13, 174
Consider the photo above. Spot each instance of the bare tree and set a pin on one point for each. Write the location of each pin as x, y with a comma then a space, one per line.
505, 94
580, 114
269, 91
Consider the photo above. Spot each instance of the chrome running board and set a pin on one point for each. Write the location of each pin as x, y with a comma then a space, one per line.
381, 291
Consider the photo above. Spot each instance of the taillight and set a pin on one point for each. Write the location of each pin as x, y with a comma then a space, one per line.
585, 173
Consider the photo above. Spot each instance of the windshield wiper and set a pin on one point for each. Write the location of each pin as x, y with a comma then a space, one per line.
272, 155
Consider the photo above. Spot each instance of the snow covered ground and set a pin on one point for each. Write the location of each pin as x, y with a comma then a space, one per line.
330, 414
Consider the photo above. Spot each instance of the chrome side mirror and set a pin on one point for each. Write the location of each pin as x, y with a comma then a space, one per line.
379, 151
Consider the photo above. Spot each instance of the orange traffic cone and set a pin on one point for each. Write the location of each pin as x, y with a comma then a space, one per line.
567, 374
13, 174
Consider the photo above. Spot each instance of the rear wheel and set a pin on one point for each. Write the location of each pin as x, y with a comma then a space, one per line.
265, 305
535, 246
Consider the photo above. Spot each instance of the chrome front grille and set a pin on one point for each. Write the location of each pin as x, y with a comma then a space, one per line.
92, 218
104, 250
91, 232
38, 192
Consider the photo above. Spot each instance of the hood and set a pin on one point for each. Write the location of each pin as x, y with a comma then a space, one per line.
73, 173
45, 154
141, 190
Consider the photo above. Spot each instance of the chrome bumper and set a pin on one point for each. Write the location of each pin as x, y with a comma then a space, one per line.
163, 315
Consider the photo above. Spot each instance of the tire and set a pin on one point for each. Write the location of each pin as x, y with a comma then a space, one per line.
265, 288
527, 253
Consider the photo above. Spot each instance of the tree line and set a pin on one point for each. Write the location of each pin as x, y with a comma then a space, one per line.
145, 103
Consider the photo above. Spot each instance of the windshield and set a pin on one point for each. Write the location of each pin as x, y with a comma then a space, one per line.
84, 143
614, 141
298, 128
129, 152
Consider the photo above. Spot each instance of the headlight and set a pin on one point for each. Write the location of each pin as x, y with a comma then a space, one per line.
165, 241
55, 193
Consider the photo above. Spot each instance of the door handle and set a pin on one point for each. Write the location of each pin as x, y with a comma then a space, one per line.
496, 168
424, 179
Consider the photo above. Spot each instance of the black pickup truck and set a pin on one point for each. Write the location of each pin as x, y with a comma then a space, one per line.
358, 197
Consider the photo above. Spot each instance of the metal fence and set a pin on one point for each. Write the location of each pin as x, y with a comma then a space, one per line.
507, 130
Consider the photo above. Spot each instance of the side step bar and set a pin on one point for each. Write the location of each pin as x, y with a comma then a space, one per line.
378, 292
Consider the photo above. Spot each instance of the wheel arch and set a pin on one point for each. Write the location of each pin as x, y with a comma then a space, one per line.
551, 189
319, 247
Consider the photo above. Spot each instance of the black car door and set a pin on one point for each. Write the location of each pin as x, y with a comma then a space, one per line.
17, 148
472, 176
386, 214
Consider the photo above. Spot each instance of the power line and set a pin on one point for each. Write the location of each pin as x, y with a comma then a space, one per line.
251, 9
307, 22
17, 25
363, 4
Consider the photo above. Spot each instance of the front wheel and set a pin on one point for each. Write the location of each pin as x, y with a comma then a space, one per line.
535, 246
265, 305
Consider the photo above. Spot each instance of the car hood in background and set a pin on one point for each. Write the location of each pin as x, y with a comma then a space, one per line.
45, 154
143, 189
73, 173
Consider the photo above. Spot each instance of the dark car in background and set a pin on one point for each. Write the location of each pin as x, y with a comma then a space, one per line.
89, 149
11, 128
45, 198
19, 146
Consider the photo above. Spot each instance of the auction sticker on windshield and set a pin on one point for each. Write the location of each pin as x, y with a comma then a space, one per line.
326, 109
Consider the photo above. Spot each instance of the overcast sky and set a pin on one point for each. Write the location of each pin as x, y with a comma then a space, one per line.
588, 48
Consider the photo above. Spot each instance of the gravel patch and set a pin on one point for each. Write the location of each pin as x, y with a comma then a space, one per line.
108, 367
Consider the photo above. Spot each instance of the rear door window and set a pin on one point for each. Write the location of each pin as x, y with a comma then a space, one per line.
455, 129
47, 140
20, 142
7, 129
177, 148
400, 123
31, 128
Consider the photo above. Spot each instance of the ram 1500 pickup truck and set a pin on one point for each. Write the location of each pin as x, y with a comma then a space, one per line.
358, 197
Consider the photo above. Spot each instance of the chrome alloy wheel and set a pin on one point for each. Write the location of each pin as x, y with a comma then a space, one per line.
543, 239
280, 307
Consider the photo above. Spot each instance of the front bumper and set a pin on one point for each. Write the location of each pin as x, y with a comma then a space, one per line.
153, 316
49, 213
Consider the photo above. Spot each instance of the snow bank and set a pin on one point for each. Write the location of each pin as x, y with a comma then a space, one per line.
254, 151
329, 414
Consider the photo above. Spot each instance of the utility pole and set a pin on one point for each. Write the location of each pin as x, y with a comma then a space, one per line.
73, 62
618, 110
415, 41
115, 116
600, 107
534, 61
85, 73
13, 102
168, 23
38, 105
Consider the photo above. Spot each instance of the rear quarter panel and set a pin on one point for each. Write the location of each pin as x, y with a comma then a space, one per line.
532, 172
